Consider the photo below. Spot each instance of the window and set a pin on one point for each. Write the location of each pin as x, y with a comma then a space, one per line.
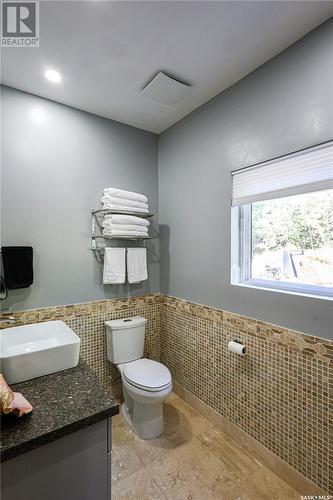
282, 223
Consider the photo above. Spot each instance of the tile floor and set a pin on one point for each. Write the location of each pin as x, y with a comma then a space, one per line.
192, 460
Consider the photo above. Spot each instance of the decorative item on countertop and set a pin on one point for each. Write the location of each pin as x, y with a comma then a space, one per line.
237, 347
12, 402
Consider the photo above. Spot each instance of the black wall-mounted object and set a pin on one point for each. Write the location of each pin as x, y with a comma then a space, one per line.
18, 266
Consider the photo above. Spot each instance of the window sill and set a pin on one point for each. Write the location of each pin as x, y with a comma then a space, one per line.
258, 286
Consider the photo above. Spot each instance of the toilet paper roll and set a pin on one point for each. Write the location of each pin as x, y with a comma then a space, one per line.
237, 347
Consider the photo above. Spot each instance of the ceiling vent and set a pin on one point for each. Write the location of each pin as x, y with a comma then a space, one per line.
165, 89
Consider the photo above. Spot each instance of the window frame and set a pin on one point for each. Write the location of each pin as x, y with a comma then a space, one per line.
242, 259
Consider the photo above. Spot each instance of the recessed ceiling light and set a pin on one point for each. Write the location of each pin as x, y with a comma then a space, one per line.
52, 75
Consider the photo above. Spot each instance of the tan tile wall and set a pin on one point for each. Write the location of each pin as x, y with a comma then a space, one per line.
87, 321
280, 392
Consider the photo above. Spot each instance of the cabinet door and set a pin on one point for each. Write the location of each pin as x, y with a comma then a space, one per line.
75, 467
109, 457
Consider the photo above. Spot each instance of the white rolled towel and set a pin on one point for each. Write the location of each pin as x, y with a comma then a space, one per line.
123, 208
120, 232
124, 227
126, 219
129, 195
123, 201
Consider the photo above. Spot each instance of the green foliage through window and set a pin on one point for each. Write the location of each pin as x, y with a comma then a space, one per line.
303, 222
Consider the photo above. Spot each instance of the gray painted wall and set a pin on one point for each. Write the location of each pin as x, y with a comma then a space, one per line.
53, 173
285, 105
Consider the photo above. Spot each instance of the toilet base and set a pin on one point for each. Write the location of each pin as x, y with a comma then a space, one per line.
146, 420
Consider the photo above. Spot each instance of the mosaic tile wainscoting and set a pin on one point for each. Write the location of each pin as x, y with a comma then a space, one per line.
279, 393
87, 321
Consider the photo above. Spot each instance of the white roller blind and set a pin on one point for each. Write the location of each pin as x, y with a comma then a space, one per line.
302, 172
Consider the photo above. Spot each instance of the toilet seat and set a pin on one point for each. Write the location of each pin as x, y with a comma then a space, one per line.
147, 375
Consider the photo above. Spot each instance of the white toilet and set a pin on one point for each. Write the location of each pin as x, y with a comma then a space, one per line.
146, 383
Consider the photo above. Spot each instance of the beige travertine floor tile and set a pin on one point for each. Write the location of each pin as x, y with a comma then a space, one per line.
154, 449
124, 462
193, 471
137, 486
226, 450
191, 460
117, 420
122, 435
177, 411
174, 435
265, 485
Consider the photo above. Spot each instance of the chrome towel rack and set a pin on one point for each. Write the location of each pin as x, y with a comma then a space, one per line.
96, 226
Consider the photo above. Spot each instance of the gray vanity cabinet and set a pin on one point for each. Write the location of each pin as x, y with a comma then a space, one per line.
74, 467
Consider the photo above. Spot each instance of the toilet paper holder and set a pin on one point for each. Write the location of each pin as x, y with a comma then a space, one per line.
237, 347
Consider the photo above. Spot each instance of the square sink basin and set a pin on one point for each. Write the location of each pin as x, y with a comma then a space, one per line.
35, 350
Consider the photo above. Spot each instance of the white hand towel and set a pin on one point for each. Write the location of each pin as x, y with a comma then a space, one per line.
130, 195
136, 265
124, 227
122, 208
123, 201
119, 232
114, 266
126, 219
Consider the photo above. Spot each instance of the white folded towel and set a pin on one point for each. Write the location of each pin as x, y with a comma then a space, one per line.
114, 266
123, 208
130, 195
119, 232
124, 227
123, 201
126, 219
136, 265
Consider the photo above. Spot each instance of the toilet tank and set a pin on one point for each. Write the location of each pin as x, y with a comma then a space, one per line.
125, 339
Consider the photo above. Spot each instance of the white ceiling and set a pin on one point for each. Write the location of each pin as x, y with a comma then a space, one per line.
106, 51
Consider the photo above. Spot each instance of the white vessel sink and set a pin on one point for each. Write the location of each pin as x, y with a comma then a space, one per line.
32, 351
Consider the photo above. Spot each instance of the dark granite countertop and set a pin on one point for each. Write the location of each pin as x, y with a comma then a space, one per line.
63, 403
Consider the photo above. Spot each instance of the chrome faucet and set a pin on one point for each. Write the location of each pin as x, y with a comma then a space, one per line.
7, 319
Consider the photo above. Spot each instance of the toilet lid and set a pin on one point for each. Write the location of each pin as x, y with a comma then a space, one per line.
147, 374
